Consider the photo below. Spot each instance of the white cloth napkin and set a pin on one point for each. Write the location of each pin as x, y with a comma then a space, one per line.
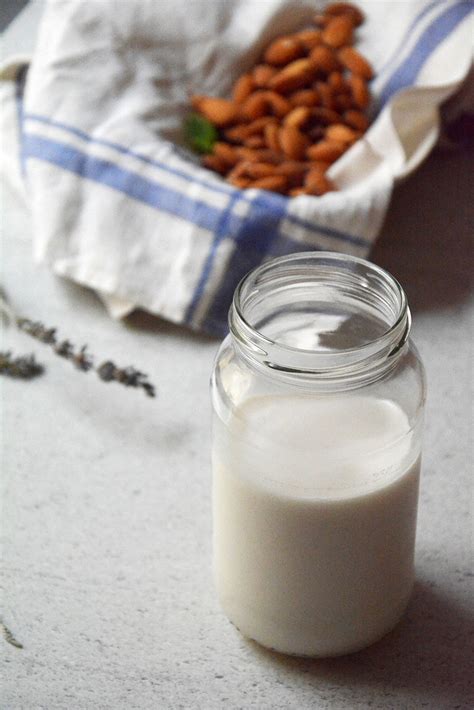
120, 206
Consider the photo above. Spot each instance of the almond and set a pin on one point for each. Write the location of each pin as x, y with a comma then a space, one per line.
258, 125
325, 91
216, 163
271, 137
226, 152
220, 112
345, 8
255, 106
239, 170
262, 75
342, 102
305, 97
324, 59
317, 183
293, 142
325, 116
327, 151
319, 165
283, 51
338, 32
294, 171
356, 119
258, 155
255, 142
309, 38
297, 117
236, 134
239, 133
341, 133
275, 183
239, 182
243, 87
355, 62
360, 92
278, 104
260, 170
337, 82
293, 76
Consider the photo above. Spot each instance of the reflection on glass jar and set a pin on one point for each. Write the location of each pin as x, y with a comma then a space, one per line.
318, 398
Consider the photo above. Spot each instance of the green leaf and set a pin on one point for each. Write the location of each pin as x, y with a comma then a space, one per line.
199, 133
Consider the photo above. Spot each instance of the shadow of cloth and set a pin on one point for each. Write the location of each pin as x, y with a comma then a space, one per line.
426, 661
426, 241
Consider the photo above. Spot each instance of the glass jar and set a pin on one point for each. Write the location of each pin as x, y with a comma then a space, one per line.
318, 398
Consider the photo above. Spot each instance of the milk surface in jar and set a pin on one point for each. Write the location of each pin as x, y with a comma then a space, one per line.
316, 469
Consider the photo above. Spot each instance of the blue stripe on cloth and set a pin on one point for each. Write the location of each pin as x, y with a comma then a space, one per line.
222, 231
213, 186
429, 40
126, 181
426, 10
254, 241
19, 91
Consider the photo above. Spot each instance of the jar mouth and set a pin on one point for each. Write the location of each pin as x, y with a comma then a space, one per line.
324, 314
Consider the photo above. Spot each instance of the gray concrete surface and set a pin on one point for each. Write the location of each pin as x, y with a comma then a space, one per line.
106, 517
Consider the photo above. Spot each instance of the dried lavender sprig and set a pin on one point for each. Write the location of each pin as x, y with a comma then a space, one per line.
128, 376
107, 371
9, 636
24, 367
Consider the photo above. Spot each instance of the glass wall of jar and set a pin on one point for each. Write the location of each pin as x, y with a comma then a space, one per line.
318, 397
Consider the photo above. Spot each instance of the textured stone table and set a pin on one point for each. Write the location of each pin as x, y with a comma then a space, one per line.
106, 518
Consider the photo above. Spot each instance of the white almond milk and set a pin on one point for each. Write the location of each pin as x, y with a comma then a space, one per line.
314, 520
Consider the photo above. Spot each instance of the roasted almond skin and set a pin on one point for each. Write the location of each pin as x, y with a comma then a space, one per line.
240, 182
243, 87
336, 9
326, 93
338, 32
325, 116
356, 119
324, 59
262, 75
283, 51
294, 76
255, 142
355, 62
255, 106
216, 163
317, 183
270, 134
220, 112
326, 150
260, 170
341, 133
226, 152
359, 90
298, 117
258, 155
274, 183
293, 142
294, 170
309, 38
305, 97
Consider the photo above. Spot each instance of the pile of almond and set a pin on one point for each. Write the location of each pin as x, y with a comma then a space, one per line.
296, 112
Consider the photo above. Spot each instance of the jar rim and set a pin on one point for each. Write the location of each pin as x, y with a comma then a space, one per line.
346, 363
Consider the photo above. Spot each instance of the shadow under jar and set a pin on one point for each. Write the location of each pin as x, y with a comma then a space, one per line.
318, 398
